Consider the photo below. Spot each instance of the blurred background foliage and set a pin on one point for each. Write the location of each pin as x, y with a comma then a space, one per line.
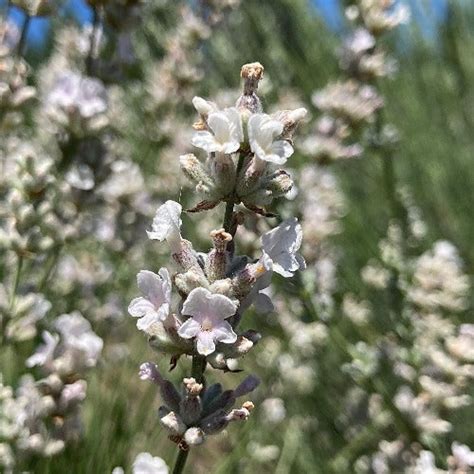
431, 103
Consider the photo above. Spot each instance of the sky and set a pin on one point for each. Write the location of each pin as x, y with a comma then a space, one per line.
428, 18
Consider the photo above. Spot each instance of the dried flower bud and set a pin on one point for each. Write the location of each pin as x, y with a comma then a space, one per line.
252, 73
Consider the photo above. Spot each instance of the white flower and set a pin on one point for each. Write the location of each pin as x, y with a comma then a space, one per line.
167, 223
425, 464
154, 306
280, 247
45, 352
72, 91
76, 333
207, 323
463, 455
145, 463
227, 133
262, 131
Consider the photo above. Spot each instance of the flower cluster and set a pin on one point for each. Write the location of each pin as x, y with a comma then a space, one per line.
349, 105
261, 141
15, 93
45, 414
429, 355
194, 412
35, 223
77, 104
215, 288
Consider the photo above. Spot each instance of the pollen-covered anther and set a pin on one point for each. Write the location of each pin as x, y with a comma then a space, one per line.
248, 101
248, 405
192, 387
220, 239
252, 71
240, 413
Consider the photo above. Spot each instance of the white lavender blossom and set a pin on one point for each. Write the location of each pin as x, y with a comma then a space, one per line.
154, 305
207, 322
280, 248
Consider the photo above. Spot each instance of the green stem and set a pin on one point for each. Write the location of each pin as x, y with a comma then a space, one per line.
180, 461
51, 264
229, 207
4, 319
229, 212
197, 371
198, 368
16, 282
199, 362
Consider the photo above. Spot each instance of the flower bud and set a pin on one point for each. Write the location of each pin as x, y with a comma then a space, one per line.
239, 348
194, 436
251, 73
188, 281
195, 172
204, 108
290, 120
279, 183
243, 282
173, 423
217, 259
190, 409
238, 414
185, 256
170, 395
222, 171
222, 287
214, 423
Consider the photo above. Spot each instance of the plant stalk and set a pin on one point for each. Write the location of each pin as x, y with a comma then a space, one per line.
24, 32
92, 45
199, 362
180, 461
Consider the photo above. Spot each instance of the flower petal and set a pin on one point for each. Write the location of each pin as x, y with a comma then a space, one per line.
167, 221
190, 328
153, 287
201, 303
205, 343
139, 307
224, 333
153, 317
206, 141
